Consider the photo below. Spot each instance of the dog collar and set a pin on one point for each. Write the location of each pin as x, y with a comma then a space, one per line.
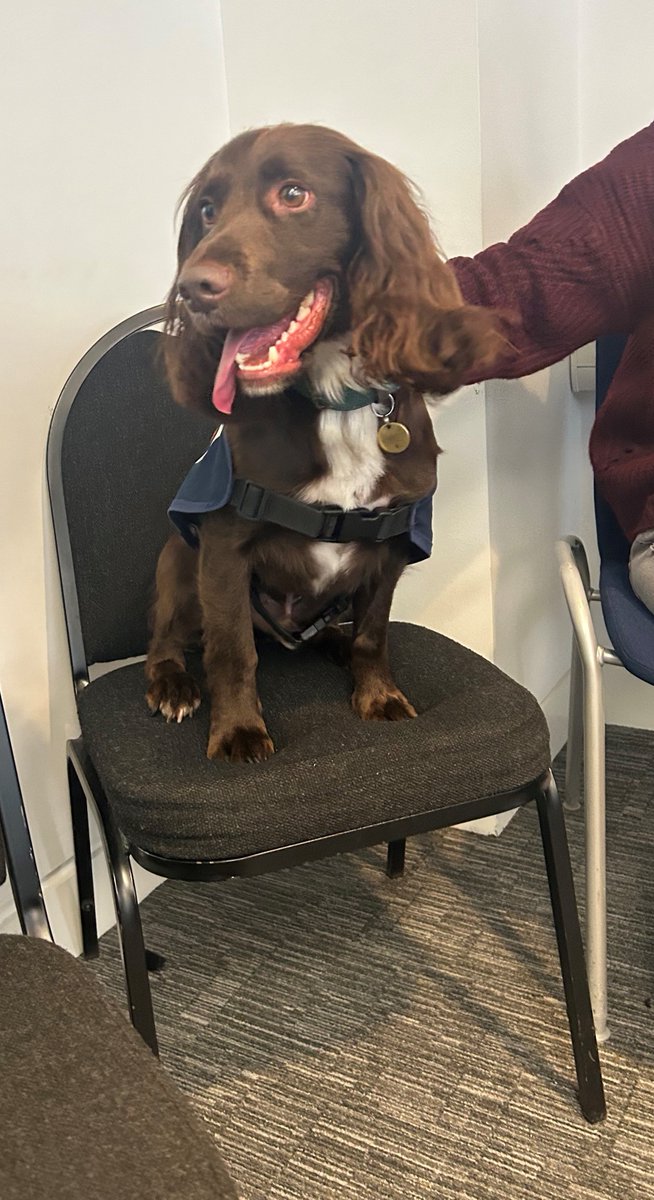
350, 399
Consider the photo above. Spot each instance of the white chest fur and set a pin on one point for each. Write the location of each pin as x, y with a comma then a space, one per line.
355, 464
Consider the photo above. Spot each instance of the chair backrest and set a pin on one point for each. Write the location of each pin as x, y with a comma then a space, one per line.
611, 541
118, 450
16, 844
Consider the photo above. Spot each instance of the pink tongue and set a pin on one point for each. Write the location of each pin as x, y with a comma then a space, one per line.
239, 341
224, 388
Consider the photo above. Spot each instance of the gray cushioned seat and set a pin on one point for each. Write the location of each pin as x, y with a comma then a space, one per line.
477, 733
86, 1111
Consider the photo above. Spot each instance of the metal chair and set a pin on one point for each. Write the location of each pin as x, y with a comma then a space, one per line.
84, 1108
117, 451
630, 627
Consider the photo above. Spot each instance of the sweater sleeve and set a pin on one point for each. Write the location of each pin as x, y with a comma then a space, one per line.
582, 267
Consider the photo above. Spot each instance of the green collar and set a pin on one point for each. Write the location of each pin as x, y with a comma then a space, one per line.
350, 399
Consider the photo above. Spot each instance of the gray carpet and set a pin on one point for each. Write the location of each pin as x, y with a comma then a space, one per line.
345, 1035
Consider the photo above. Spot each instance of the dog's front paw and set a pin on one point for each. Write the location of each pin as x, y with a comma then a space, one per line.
175, 695
382, 704
242, 744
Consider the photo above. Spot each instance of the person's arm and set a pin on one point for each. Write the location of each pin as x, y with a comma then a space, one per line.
582, 267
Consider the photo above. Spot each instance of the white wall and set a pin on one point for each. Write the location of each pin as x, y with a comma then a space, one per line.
108, 109
615, 83
529, 131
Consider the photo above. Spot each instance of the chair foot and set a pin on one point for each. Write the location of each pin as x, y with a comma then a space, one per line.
571, 954
90, 943
154, 962
395, 858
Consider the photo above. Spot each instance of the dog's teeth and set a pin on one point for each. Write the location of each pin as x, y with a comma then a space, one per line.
303, 311
309, 299
273, 354
240, 358
284, 337
292, 327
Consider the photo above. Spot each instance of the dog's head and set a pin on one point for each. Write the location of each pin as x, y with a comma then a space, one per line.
292, 235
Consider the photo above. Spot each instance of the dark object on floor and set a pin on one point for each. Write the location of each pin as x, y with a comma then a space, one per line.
154, 962
479, 746
86, 1112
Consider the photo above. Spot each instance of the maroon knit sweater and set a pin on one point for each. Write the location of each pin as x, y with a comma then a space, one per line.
582, 267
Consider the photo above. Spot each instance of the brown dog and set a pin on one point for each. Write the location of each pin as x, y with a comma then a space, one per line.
307, 276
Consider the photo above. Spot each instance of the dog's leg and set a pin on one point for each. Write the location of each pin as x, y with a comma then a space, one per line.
376, 697
176, 620
238, 732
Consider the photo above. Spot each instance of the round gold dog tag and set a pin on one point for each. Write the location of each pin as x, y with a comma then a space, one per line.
393, 437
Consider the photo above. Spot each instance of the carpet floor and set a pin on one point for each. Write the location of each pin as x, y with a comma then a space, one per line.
348, 1035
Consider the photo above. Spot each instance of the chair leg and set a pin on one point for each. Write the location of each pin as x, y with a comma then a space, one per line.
83, 864
595, 828
128, 918
395, 858
575, 578
575, 747
571, 953
132, 947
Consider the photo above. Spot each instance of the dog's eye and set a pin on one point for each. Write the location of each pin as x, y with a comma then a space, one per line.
208, 211
293, 195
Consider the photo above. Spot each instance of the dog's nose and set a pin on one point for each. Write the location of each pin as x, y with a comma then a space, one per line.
202, 286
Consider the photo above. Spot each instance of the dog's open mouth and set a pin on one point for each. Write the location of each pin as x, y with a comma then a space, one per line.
263, 359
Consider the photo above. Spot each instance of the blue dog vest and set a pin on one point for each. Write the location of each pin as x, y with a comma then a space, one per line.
210, 483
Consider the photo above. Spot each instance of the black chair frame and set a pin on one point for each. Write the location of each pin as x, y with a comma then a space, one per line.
17, 845
86, 789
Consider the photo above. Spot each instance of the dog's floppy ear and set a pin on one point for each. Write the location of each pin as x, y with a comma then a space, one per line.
189, 359
409, 322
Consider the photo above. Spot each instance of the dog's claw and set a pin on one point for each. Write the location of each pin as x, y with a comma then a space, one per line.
175, 696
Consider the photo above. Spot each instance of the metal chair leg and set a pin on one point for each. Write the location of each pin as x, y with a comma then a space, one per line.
595, 827
83, 864
573, 567
395, 858
128, 918
575, 746
132, 946
571, 953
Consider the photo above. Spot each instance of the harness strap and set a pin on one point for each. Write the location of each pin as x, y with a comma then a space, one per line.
326, 523
294, 640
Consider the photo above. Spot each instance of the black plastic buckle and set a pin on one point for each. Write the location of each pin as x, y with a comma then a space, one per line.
336, 609
387, 524
385, 521
332, 526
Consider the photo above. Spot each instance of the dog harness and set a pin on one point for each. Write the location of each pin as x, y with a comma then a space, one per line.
210, 485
